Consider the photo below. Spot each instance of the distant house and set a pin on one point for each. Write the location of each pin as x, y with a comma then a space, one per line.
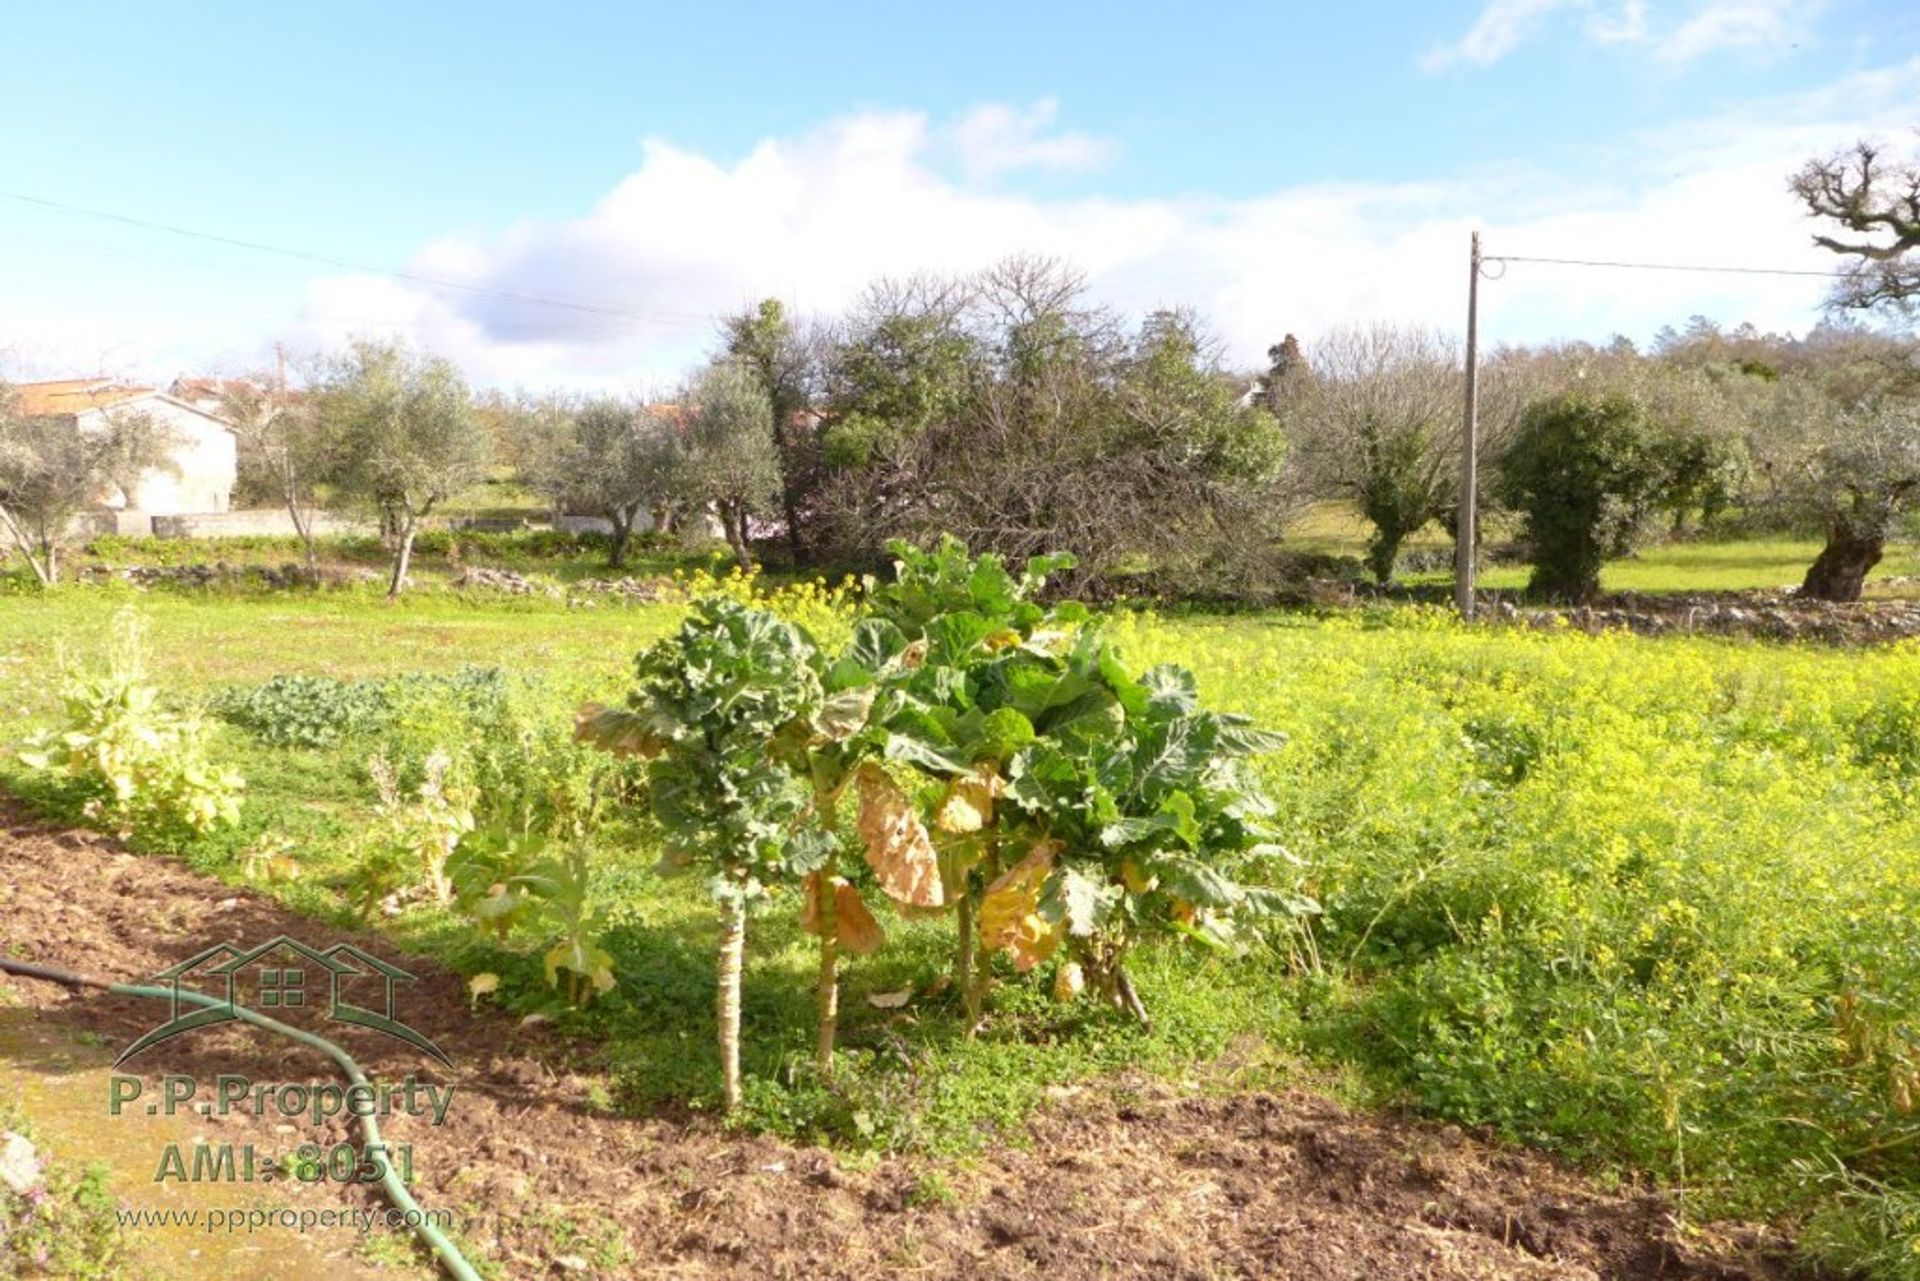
205, 454
209, 394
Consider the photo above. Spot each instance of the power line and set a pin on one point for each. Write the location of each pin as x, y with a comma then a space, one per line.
411, 277
1667, 266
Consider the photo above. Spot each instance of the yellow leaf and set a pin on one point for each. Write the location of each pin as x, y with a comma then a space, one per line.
1068, 982
898, 847
810, 903
853, 924
615, 730
481, 985
1010, 911
859, 932
968, 803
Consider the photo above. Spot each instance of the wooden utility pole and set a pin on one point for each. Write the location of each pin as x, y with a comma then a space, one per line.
1463, 547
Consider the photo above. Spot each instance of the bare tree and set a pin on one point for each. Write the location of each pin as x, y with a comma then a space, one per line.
1374, 413
1010, 410
289, 443
1879, 203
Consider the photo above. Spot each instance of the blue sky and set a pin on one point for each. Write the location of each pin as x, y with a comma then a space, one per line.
1281, 167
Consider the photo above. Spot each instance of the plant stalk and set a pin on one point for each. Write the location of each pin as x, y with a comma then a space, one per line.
733, 942
964, 960
826, 909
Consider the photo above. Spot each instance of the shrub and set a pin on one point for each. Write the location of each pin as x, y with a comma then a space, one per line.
1071, 804
1584, 473
127, 760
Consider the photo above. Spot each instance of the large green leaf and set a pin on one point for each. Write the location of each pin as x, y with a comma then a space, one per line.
1086, 905
1094, 717
1173, 756
1174, 823
953, 638
936, 758
1171, 691
1194, 882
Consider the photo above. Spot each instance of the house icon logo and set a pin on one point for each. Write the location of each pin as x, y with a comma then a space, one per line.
278, 973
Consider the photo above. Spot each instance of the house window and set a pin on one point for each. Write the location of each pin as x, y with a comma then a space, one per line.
283, 987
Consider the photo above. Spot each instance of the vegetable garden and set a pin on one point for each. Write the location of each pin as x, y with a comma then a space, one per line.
941, 845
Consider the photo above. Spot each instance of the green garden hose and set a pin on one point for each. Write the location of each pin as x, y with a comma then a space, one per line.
436, 1240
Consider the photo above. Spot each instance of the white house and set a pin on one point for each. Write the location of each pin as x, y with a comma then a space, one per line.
205, 452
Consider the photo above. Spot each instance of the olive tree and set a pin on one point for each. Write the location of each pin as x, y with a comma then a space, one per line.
766, 340
613, 459
407, 437
727, 453
53, 468
1858, 486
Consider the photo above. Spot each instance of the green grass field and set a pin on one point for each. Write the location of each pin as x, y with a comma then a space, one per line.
1699, 565
1653, 904
1703, 565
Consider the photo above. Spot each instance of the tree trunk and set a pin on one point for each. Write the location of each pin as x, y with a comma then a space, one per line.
617, 544
789, 500
733, 942
313, 551
1840, 571
733, 519
794, 547
1383, 552
25, 544
826, 912
1128, 998
302, 521
303, 526
402, 558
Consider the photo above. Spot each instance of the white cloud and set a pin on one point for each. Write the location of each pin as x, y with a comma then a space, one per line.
995, 138
812, 219
1627, 26
687, 238
1756, 27
1500, 29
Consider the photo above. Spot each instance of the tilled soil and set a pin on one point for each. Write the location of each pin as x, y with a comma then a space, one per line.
1129, 1178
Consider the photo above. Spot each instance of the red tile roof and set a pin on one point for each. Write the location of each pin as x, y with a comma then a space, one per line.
74, 395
